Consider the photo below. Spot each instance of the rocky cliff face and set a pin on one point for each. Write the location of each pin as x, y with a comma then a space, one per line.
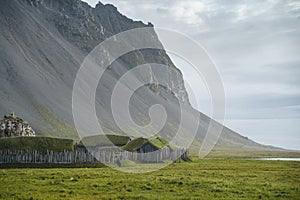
12, 126
85, 27
44, 43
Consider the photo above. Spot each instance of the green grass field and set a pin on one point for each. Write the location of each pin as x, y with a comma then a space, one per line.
200, 179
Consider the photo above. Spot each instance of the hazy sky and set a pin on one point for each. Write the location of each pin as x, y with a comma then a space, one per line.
256, 47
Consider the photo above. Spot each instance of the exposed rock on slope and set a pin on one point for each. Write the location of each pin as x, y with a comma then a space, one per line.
13, 125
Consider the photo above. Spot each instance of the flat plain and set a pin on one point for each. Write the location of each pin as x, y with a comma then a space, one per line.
199, 179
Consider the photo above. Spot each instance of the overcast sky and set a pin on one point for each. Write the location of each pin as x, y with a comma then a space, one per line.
256, 47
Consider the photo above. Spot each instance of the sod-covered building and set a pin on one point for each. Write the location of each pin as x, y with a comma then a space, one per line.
145, 145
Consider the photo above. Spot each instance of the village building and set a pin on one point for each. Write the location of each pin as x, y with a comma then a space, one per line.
146, 145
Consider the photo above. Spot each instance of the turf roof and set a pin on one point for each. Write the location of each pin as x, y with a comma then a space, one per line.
105, 140
137, 143
38, 143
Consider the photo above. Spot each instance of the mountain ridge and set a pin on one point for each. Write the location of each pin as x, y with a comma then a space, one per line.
44, 43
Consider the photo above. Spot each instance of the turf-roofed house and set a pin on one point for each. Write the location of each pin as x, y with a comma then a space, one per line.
145, 145
102, 142
155, 144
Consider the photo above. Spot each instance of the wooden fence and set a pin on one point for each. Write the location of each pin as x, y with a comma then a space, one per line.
78, 156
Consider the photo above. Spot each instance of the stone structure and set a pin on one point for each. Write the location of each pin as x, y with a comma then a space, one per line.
13, 125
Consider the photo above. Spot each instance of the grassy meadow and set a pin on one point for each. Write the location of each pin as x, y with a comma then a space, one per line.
200, 179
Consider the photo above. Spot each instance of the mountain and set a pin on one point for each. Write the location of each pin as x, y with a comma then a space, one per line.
44, 42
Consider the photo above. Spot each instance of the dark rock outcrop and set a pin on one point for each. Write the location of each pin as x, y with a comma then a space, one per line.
13, 125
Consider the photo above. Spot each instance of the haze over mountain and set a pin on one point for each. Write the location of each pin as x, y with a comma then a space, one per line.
44, 42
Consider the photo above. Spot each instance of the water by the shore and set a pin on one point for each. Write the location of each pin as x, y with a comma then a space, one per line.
282, 159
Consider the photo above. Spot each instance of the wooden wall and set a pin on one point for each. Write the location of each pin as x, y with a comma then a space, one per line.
78, 156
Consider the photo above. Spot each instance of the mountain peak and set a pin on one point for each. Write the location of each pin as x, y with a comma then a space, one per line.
108, 6
99, 4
